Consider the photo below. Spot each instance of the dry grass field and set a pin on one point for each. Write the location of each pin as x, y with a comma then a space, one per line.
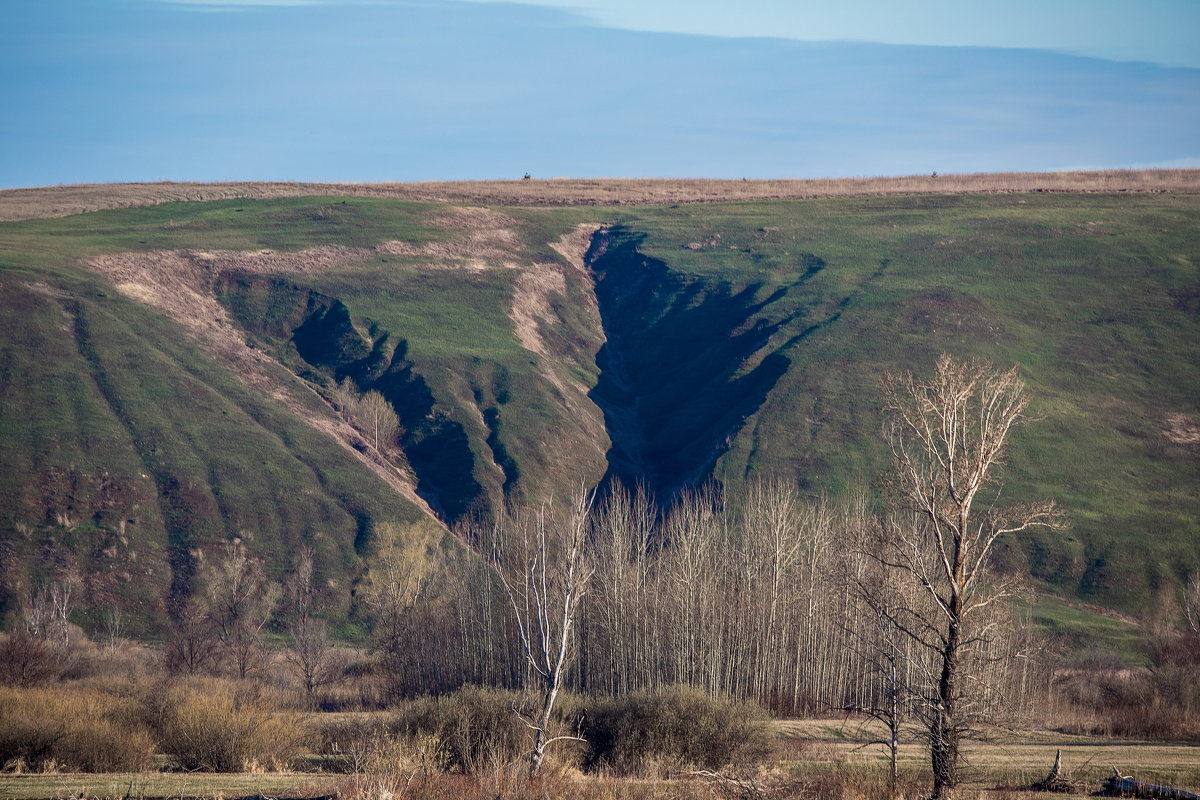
61, 201
1003, 757
162, 784
820, 759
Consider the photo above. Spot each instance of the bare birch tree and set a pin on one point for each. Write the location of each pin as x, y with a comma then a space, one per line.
948, 436
546, 579
376, 418
1191, 603
45, 612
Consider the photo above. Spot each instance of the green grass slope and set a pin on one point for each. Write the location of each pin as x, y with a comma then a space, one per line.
724, 340
1094, 297
128, 450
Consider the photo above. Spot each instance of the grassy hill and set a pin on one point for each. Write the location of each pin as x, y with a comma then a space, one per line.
168, 373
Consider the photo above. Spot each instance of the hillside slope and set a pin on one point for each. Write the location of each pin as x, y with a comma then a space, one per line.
168, 374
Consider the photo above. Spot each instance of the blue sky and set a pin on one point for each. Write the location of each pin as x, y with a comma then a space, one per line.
375, 90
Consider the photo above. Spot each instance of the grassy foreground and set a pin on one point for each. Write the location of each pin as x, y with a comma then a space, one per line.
827, 758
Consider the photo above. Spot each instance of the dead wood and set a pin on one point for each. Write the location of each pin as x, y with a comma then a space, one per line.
1120, 786
1056, 781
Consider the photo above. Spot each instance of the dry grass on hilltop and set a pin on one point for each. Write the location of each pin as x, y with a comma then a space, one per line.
60, 201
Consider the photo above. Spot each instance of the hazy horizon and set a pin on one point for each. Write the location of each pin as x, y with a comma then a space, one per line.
148, 90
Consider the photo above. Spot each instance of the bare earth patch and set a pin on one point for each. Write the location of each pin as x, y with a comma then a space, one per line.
1183, 429
531, 307
531, 304
180, 284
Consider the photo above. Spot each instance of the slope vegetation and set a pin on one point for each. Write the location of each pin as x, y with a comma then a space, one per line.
170, 373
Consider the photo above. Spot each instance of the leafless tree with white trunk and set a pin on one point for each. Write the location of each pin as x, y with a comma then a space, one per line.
1191, 603
376, 418
948, 435
542, 561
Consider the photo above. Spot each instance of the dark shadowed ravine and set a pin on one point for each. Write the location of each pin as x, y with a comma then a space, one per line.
685, 362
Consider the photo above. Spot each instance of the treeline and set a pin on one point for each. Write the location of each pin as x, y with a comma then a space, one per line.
765, 599
760, 597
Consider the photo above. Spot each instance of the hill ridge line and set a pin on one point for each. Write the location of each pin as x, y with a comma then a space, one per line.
60, 201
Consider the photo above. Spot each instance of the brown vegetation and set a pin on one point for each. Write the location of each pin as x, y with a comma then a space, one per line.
1160, 701
60, 201
218, 725
77, 729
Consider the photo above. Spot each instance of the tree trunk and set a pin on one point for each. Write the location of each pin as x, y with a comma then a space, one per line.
540, 739
944, 730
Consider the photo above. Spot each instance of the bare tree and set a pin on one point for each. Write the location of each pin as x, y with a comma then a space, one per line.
376, 418
882, 648
370, 413
113, 620
40, 646
45, 612
545, 574
344, 395
192, 645
1191, 603
398, 589
311, 649
240, 601
948, 435
622, 529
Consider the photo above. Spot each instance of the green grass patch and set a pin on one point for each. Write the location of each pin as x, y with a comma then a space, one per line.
1081, 630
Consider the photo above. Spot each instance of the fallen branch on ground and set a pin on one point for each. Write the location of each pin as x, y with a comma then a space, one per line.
1120, 786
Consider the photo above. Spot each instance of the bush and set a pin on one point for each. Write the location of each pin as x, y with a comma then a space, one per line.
476, 729
1161, 701
680, 727
26, 660
74, 729
219, 725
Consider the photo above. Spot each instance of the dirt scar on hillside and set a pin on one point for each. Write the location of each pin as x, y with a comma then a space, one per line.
1183, 428
531, 307
180, 283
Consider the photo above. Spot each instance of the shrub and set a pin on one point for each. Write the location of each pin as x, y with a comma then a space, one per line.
26, 660
221, 725
679, 726
1161, 701
476, 729
73, 729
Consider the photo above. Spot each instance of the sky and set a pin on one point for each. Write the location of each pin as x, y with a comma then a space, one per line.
383, 90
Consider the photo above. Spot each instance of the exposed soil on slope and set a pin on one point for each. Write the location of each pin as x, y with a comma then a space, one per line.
218, 297
181, 285
1183, 429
